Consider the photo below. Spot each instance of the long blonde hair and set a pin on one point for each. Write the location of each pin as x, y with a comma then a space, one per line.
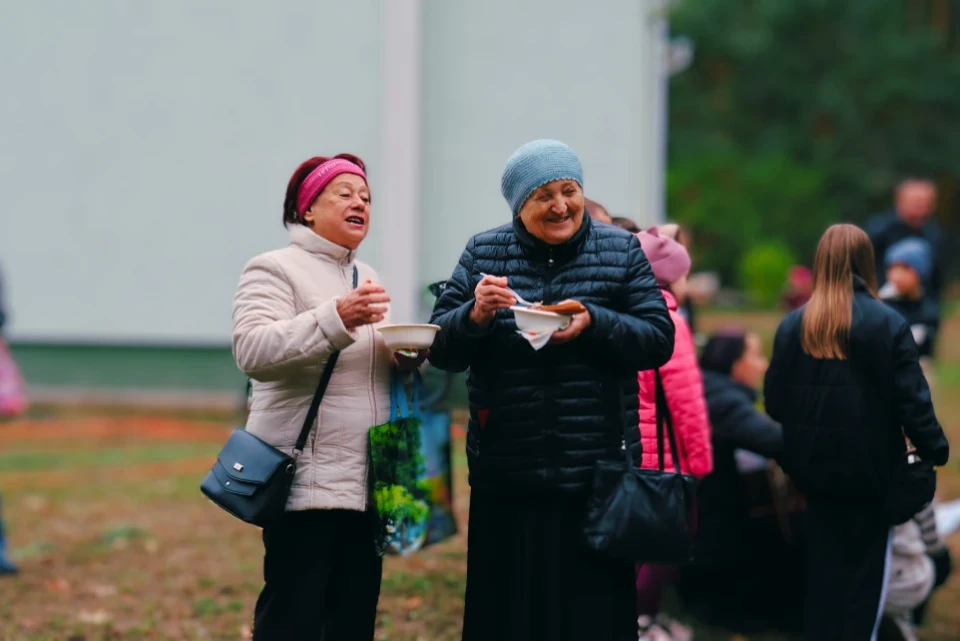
844, 252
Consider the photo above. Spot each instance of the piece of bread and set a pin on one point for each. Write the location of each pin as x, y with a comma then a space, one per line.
567, 309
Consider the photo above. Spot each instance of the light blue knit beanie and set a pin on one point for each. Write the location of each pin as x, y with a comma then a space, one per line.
536, 164
913, 252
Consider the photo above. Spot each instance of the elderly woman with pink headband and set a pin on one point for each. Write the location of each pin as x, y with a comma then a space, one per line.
294, 308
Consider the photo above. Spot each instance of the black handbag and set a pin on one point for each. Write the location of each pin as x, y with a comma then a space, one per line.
642, 515
251, 479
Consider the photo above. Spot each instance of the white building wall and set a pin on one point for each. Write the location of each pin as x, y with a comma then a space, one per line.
146, 146
503, 72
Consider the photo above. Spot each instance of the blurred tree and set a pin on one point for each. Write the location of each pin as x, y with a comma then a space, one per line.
763, 272
734, 201
860, 91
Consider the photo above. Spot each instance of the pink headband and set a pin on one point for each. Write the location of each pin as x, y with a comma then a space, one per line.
320, 177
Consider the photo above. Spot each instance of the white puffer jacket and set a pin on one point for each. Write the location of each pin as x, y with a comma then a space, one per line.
285, 327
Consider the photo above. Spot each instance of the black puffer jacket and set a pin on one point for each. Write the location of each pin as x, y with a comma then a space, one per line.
842, 418
540, 419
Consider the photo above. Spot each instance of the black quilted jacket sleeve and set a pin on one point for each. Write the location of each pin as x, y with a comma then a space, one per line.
458, 341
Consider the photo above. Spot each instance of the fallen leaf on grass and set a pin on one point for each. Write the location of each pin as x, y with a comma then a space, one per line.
94, 617
58, 585
413, 603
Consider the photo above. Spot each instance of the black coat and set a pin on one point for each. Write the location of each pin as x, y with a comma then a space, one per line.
735, 424
539, 420
842, 418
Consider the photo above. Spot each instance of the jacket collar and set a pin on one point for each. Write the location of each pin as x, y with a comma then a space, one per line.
309, 241
728, 382
749, 392
860, 286
537, 249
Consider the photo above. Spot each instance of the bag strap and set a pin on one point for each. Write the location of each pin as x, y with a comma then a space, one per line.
625, 426
318, 394
664, 419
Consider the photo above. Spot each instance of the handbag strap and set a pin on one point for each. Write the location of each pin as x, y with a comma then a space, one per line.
664, 419
318, 394
625, 425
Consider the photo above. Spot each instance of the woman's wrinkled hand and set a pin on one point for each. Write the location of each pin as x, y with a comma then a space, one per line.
406, 364
365, 305
491, 294
578, 323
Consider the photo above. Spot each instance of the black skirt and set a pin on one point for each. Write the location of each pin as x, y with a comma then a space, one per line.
531, 577
848, 551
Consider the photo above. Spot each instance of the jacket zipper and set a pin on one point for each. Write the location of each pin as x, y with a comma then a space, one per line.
548, 398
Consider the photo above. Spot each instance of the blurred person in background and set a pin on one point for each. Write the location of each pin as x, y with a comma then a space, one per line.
683, 389
911, 216
729, 579
938, 553
13, 396
908, 266
626, 223
541, 419
919, 564
293, 309
597, 211
799, 288
846, 385
682, 236
6, 565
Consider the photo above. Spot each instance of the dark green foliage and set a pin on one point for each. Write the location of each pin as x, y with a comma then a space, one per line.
838, 98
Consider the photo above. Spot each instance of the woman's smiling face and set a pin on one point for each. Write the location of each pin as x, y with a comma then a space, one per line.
554, 211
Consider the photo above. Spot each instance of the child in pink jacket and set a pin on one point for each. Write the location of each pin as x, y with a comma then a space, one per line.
683, 388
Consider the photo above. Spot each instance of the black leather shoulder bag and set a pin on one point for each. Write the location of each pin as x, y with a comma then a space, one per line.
642, 515
251, 479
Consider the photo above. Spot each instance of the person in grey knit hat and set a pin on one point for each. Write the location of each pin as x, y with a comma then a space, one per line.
542, 417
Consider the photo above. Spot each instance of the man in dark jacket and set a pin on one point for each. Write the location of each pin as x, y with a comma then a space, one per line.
542, 417
911, 216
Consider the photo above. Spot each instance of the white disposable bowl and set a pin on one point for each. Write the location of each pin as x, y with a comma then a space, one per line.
538, 321
408, 337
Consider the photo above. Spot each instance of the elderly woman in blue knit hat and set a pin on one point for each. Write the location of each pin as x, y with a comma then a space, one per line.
541, 416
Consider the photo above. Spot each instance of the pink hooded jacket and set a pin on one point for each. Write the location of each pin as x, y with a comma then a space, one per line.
683, 387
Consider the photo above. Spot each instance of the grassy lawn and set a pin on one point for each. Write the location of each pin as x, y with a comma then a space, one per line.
116, 542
